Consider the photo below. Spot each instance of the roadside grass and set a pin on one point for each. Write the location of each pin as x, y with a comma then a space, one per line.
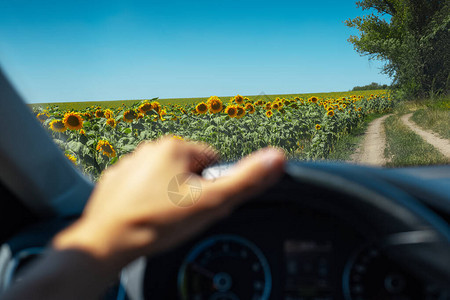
435, 117
405, 148
349, 143
183, 101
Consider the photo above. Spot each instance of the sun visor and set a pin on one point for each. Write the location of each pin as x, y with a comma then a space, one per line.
32, 167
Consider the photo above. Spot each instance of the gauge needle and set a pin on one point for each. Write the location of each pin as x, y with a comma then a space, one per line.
196, 267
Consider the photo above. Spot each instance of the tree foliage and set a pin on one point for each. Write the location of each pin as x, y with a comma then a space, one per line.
369, 87
412, 37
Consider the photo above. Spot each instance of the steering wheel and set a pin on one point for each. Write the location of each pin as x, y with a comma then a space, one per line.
403, 228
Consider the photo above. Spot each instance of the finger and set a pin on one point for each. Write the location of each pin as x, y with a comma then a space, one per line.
201, 156
250, 176
196, 155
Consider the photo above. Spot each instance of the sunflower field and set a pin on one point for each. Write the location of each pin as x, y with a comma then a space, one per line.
95, 137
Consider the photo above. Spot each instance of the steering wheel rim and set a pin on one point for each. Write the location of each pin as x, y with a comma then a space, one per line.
409, 231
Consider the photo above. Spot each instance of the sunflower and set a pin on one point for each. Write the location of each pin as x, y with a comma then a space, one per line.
161, 114
58, 126
145, 107
249, 108
108, 113
268, 106
215, 105
105, 148
129, 116
238, 99
86, 115
269, 113
177, 137
275, 105
42, 117
330, 113
313, 99
231, 111
111, 122
99, 113
201, 108
318, 126
73, 121
240, 112
72, 158
156, 106
82, 132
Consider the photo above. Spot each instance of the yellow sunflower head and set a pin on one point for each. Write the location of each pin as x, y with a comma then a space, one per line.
240, 112
99, 113
313, 99
177, 137
86, 115
105, 148
275, 105
215, 105
57, 126
201, 108
145, 107
129, 116
249, 108
111, 122
73, 121
269, 113
238, 99
212, 98
318, 126
72, 158
42, 117
330, 113
156, 106
108, 113
231, 111
268, 106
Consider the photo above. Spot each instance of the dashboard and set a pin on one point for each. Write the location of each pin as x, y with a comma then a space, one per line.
292, 243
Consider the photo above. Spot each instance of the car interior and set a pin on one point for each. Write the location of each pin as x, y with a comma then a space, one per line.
327, 230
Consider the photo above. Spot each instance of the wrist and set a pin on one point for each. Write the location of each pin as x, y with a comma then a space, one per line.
86, 238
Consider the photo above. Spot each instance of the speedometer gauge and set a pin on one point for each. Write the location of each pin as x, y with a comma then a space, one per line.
225, 267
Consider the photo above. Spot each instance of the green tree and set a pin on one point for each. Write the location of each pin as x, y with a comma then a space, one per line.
412, 37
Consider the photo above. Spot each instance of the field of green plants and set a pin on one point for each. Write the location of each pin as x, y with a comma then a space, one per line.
308, 127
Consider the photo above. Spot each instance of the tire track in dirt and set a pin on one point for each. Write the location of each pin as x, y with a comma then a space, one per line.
371, 151
441, 144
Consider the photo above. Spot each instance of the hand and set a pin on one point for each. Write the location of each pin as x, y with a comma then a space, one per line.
130, 214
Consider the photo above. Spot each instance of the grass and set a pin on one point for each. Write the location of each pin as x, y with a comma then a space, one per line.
349, 143
116, 103
435, 117
405, 148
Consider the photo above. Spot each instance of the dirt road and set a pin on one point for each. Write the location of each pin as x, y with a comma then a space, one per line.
371, 151
441, 144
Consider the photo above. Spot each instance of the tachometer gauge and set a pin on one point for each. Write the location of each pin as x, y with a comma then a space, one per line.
225, 267
371, 275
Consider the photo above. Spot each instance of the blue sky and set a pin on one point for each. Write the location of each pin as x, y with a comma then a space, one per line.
109, 50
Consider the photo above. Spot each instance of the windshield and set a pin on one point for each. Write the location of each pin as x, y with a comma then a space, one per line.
101, 77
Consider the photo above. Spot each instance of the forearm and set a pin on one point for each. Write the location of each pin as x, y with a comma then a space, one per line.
66, 274
76, 266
